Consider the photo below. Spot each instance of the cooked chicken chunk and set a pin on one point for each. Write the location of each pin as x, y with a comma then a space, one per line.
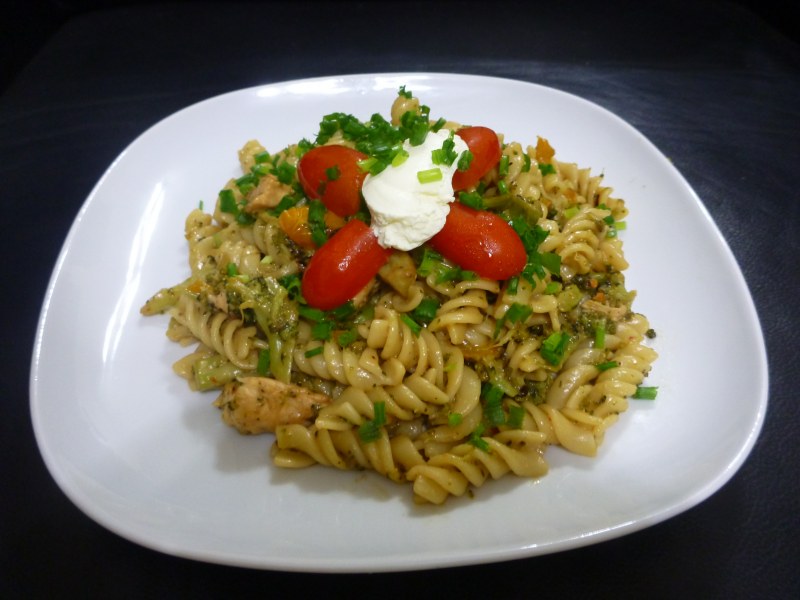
259, 404
400, 272
267, 194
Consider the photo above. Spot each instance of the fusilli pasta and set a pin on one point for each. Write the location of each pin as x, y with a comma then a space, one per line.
431, 375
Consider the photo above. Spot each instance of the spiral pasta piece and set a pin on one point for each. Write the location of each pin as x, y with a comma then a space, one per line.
226, 335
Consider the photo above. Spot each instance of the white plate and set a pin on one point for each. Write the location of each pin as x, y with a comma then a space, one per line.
138, 452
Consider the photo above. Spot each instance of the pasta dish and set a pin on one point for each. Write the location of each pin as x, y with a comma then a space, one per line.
412, 296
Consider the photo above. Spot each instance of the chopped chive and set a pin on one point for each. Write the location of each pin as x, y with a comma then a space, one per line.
262, 367
367, 164
370, 431
502, 187
227, 202
454, 274
400, 157
429, 175
454, 419
293, 285
493, 404
547, 169
232, 270
517, 313
347, 337
322, 330
600, 336
440, 122
476, 440
502, 167
312, 314
316, 222
513, 285
551, 261
554, 347
245, 183
465, 160
262, 157
491, 392
526, 165
612, 364
303, 146
332, 173
516, 414
314, 351
471, 199
286, 202
343, 311
430, 261
285, 172
645, 393
261, 170
425, 310
411, 323
446, 155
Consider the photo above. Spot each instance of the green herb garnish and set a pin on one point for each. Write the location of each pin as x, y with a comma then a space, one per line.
645, 393
554, 347
370, 431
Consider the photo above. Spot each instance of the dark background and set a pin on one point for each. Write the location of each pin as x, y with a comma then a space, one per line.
715, 85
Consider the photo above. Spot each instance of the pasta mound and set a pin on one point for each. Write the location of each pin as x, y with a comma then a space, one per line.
431, 375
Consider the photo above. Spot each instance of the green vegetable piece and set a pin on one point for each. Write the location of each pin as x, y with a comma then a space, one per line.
425, 310
314, 351
645, 393
430, 175
554, 347
316, 222
411, 323
370, 431
611, 364
547, 169
262, 367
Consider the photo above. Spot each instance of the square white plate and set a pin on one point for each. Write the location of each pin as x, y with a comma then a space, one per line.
131, 446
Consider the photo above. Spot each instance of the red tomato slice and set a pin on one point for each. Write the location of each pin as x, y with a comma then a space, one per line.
485, 147
480, 241
343, 266
340, 193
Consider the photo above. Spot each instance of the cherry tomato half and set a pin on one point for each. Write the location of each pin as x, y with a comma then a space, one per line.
480, 241
331, 173
485, 148
343, 266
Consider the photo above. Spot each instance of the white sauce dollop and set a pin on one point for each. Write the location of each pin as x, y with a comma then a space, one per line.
405, 212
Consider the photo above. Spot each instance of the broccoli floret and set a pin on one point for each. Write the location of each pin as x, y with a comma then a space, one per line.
275, 314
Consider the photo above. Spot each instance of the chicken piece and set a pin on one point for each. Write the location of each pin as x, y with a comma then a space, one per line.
260, 404
615, 313
399, 272
267, 194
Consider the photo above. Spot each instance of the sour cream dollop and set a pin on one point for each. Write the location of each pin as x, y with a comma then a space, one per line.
405, 212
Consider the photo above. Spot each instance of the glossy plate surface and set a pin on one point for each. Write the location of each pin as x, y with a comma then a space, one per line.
138, 452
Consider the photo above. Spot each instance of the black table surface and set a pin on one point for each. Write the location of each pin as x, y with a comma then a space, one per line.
713, 84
